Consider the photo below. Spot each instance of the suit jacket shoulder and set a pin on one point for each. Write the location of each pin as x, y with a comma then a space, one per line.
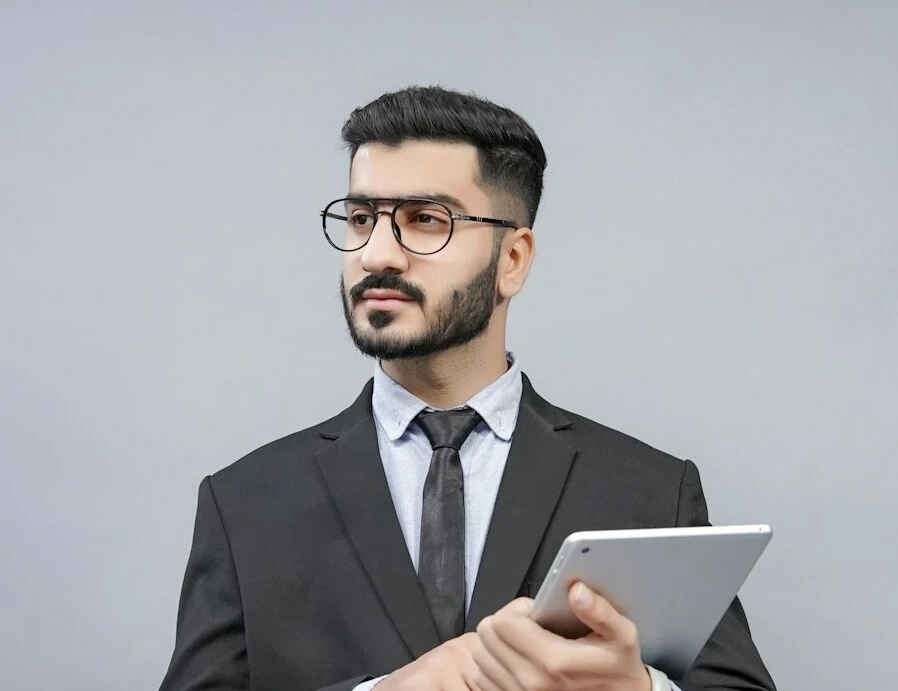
277, 461
635, 484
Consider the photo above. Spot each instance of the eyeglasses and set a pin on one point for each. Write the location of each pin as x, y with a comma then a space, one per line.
422, 226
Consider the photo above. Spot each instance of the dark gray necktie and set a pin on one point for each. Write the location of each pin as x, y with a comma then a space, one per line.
441, 559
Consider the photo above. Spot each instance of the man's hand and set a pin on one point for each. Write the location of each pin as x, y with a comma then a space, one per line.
445, 668
514, 653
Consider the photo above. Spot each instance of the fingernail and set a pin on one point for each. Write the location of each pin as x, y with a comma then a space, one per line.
582, 596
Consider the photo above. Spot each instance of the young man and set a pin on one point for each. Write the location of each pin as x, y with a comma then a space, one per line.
396, 543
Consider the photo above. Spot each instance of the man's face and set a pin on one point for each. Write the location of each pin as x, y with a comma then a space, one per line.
402, 305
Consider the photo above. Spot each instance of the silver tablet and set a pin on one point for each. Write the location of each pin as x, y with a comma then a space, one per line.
674, 583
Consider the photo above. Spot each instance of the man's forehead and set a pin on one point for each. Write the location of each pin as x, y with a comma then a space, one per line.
420, 164
419, 147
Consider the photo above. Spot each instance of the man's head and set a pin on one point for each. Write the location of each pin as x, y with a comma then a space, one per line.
403, 299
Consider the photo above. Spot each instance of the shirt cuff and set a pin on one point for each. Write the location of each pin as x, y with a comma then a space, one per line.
674, 687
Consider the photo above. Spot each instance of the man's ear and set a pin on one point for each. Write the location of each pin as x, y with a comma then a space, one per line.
515, 259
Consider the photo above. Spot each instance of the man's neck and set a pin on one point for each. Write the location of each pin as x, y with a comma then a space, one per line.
450, 378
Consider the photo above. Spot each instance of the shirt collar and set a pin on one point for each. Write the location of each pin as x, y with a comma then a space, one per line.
498, 403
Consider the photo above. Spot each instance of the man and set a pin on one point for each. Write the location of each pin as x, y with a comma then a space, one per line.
397, 543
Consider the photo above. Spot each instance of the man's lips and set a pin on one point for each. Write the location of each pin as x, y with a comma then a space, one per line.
377, 294
385, 300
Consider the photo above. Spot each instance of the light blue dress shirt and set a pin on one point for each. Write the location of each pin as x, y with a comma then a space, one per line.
405, 453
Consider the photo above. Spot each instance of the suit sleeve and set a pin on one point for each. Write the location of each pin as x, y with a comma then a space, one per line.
729, 661
210, 643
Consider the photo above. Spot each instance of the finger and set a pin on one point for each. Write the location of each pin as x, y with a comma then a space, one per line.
491, 674
472, 674
528, 651
456, 683
499, 662
600, 615
520, 606
515, 628
480, 684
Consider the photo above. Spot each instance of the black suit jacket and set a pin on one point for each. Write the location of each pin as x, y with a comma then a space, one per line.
299, 576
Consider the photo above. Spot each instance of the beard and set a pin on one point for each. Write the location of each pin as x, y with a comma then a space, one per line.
459, 318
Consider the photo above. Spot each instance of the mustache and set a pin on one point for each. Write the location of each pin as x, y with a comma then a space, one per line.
386, 282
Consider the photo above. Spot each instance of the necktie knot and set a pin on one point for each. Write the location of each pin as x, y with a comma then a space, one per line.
448, 428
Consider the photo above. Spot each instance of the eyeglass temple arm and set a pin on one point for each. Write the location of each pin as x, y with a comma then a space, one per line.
484, 219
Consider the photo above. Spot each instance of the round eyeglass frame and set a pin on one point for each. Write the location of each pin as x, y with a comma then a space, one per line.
397, 232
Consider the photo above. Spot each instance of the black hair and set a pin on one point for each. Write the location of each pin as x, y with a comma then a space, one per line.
510, 156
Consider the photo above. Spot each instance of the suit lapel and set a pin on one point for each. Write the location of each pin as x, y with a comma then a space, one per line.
534, 476
353, 472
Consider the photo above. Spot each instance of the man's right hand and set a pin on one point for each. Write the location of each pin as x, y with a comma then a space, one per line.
442, 669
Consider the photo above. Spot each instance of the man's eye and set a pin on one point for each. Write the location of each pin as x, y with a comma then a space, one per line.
429, 219
360, 220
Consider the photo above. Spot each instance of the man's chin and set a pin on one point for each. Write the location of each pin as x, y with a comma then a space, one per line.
376, 324
390, 343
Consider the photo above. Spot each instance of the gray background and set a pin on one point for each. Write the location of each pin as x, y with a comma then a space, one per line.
715, 275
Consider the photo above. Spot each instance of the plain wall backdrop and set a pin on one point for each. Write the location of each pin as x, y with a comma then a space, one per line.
716, 275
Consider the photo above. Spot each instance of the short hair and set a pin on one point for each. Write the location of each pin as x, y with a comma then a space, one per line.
511, 158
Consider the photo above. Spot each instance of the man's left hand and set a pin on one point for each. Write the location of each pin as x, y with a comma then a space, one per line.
517, 654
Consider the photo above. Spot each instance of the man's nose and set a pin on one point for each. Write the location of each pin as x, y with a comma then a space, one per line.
383, 253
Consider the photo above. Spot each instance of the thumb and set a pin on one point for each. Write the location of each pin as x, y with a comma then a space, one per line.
592, 609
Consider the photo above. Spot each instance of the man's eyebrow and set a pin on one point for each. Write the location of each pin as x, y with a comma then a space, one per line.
442, 197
